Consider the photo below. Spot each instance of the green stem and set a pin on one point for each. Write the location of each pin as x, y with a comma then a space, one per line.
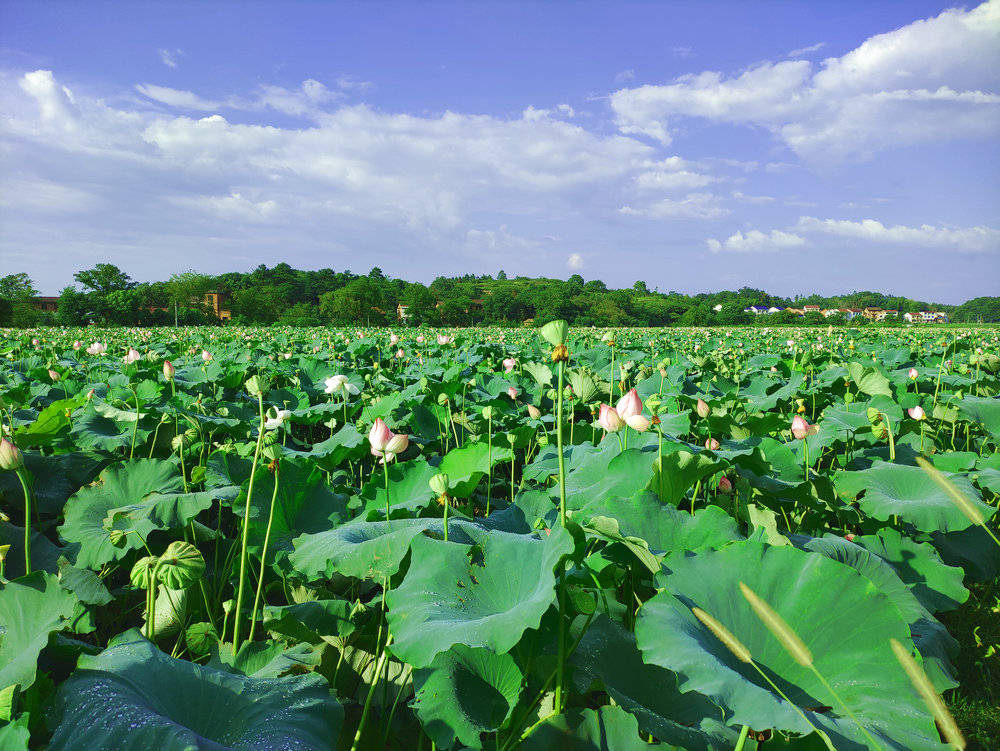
21, 473
263, 554
744, 732
246, 527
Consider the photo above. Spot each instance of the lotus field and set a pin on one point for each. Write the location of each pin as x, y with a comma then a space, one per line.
267, 538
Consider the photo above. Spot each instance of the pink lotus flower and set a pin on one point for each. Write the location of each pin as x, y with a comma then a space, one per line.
913, 374
206, 355
420, 339
849, 537
508, 364
801, 428
393, 340
168, 370
400, 353
512, 393
132, 356
443, 340
725, 485
385, 443
609, 419
629, 405
638, 423
77, 344
534, 412
97, 349
703, 409
917, 413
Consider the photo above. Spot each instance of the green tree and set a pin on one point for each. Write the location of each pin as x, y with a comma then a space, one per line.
187, 290
16, 292
104, 278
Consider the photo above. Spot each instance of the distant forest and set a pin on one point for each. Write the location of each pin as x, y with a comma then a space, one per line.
285, 296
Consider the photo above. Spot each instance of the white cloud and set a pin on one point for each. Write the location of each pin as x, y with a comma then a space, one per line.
233, 206
625, 76
680, 180
744, 198
977, 238
801, 51
756, 241
693, 206
176, 97
574, 261
170, 58
932, 80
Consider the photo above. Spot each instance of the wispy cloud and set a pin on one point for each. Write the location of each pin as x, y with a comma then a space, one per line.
170, 58
801, 51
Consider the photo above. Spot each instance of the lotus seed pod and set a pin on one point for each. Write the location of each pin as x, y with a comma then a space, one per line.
181, 565
253, 386
552, 394
117, 538
439, 484
488, 413
142, 571
653, 403
442, 399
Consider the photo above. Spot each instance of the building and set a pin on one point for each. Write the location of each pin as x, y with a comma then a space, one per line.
773, 309
717, 308
401, 313
218, 302
926, 316
755, 309
45, 304
811, 308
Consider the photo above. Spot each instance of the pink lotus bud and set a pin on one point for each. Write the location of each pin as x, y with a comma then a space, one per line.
512, 393
400, 353
917, 413
774, 369
34, 342
711, 444
10, 456
849, 537
609, 419
90, 395
168, 370
629, 405
703, 409
913, 374
53, 375
206, 355
379, 436
534, 412
77, 344
725, 485
638, 423
420, 339
508, 364
801, 428
393, 340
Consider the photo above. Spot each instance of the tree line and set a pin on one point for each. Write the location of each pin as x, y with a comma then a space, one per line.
107, 295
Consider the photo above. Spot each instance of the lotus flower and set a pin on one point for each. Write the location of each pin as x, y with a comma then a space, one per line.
703, 409
638, 423
917, 413
629, 405
508, 364
97, 349
10, 456
53, 375
400, 354
168, 370
512, 393
132, 356
711, 444
913, 374
77, 344
849, 537
609, 419
337, 383
420, 339
393, 340
801, 428
443, 340
725, 485
534, 412
385, 443
206, 355
278, 419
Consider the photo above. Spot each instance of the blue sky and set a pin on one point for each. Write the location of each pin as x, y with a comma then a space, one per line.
798, 147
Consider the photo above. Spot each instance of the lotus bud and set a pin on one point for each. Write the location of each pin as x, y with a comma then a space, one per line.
534, 412
703, 409
10, 456
53, 375
725, 485
849, 537
917, 413
168, 370
629, 405
913, 374
508, 364
609, 419
512, 393
801, 428
206, 356
711, 444
90, 395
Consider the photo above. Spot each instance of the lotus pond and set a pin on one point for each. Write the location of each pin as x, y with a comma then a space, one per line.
269, 538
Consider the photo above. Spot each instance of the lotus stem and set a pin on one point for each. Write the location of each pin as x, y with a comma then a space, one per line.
22, 475
263, 554
246, 526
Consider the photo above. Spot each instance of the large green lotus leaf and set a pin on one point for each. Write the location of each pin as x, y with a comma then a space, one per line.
465, 691
608, 652
869, 380
467, 465
972, 549
982, 409
313, 621
133, 697
51, 423
53, 479
44, 555
611, 473
910, 493
408, 487
933, 641
31, 608
364, 550
937, 585
92, 430
603, 729
484, 594
666, 528
332, 452
844, 421
142, 495
304, 504
680, 469
839, 614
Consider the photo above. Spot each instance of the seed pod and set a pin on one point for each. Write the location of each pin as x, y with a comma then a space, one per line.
142, 571
181, 565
